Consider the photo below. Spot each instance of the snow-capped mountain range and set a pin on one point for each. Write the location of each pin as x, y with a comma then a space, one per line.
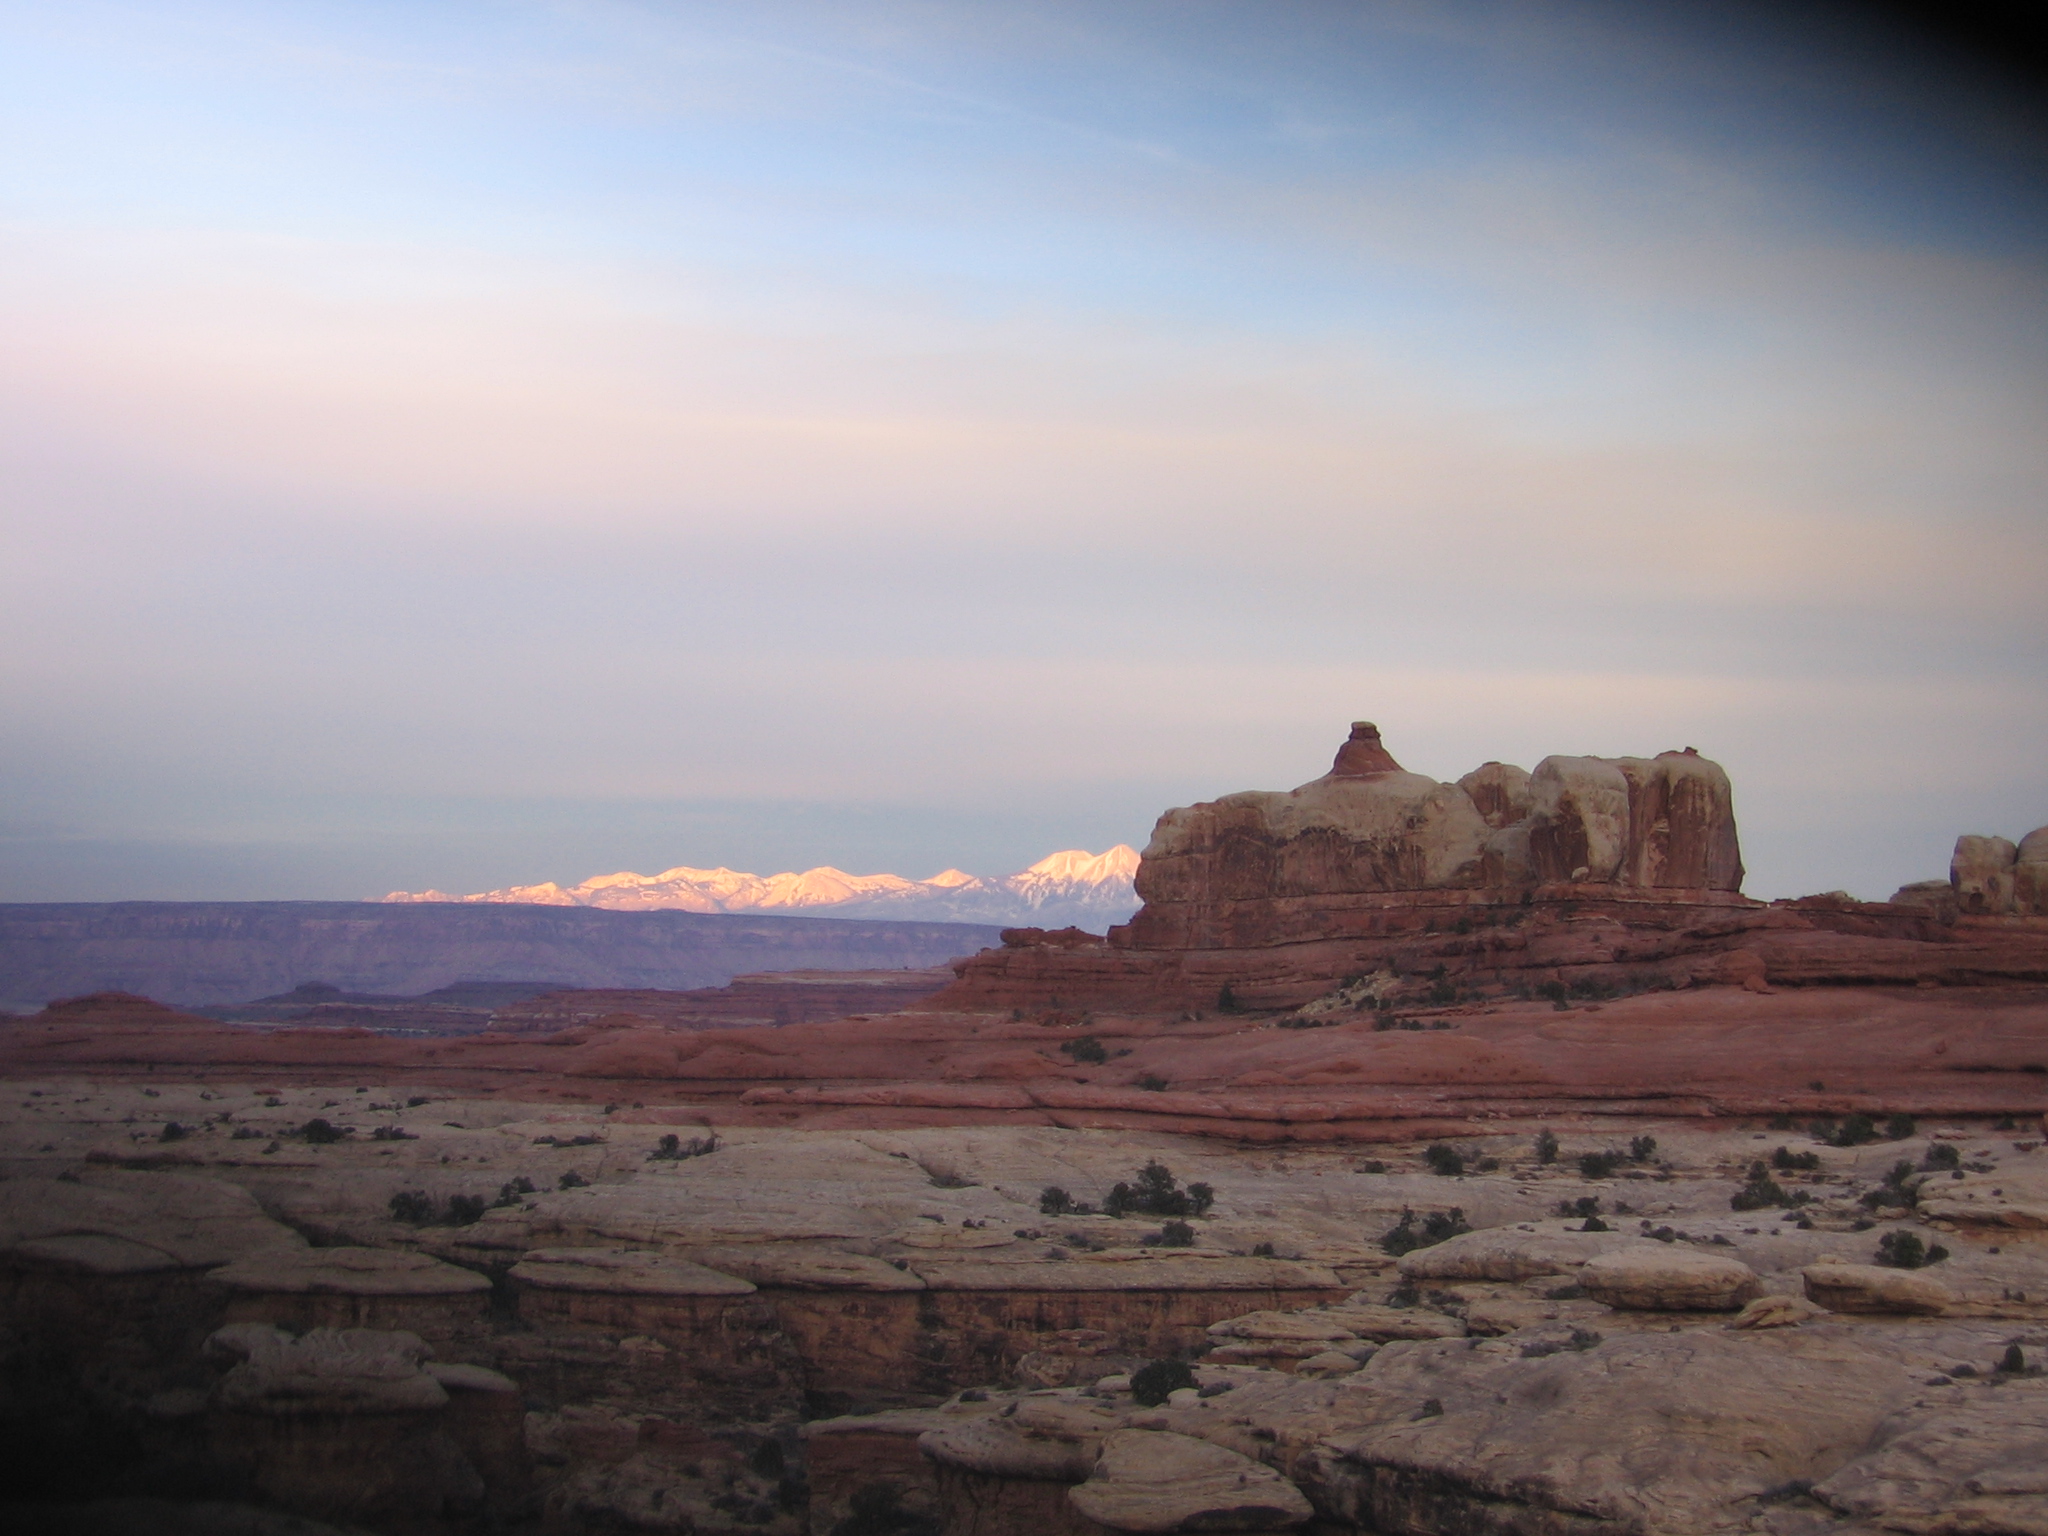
1071, 888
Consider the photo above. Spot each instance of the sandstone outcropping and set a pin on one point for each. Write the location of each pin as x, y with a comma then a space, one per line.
1375, 887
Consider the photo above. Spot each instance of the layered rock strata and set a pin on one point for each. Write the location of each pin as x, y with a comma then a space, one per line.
1594, 875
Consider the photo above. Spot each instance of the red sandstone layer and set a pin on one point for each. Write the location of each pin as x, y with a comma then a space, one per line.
1711, 1052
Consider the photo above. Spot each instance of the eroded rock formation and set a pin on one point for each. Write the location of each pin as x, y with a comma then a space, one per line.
1594, 876
1213, 871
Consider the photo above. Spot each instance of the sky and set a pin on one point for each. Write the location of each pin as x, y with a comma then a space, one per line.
482, 442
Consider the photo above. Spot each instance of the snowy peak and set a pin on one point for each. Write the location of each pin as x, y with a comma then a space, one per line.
1070, 888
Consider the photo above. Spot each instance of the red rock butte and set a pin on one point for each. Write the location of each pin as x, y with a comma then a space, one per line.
1597, 876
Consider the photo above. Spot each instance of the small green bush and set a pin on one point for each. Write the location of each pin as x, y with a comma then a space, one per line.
1599, 1165
1904, 1250
1584, 1206
1152, 1384
321, 1133
1855, 1131
172, 1131
1151, 1082
571, 1180
1761, 1191
1086, 1049
673, 1149
414, 1207
1226, 1001
1176, 1234
1054, 1201
1642, 1148
1899, 1127
1942, 1155
1444, 1161
392, 1133
1546, 1146
1785, 1160
1437, 1227
465, 1210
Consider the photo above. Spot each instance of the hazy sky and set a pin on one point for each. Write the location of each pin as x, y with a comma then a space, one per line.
460, 444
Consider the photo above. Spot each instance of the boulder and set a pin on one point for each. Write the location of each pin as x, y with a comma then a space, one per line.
1776, 1312
349, 1272
1378, 1324
1661, 1277
1155, 1480
1510, 1253
1316, 1327
1981, 873
325, 1371
1871, 1288
1938, 896
2014, 1197
2030, 874
1329, 1363
1975, 1465
1045, 1440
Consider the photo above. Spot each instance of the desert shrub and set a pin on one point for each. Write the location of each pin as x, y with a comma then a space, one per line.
1445, 1161
417, 1100
320, 1132
172, 1131
465, 1209
1546, 1146
1595, 1224
246, 1133
1157, 1193
1176, 1234
509, 1193
1781, 1123
1584, 1206
1940, 1156
1437, 1226
2014, 1361
1054, 1201
947, 1179
571, 1180
673, 1149
1761, 1192
1785, 1160
1151, 1384
1642, 1148
2007, 1124
1899, 1127
1262, 1250
1599, 1165
414, 1207
1151, 1082
1371, 1165
1856, 1130
1904, 1250
1443, 992
1086, 1049
392, 1133
1556, 992
568, 1141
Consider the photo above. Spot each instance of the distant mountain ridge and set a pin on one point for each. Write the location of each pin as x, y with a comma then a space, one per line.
1070, 888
